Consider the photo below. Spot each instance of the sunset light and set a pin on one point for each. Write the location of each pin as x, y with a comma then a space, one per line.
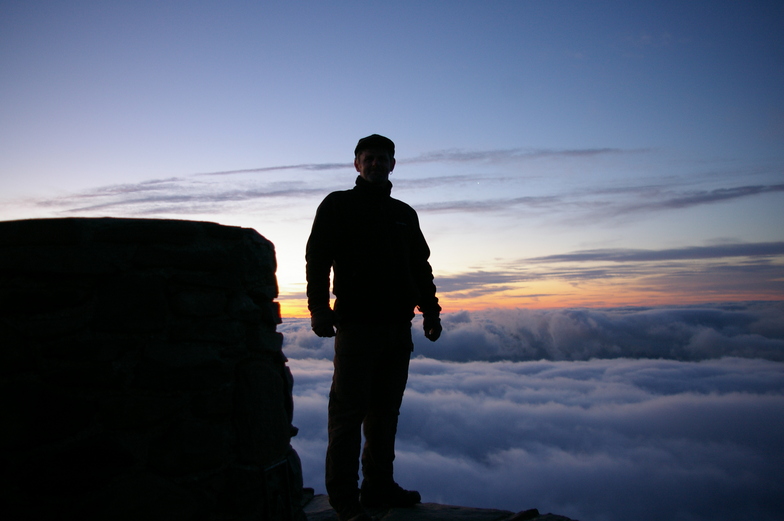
601, 186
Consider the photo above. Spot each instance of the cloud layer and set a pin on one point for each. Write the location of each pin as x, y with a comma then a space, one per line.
584, 431
689, 333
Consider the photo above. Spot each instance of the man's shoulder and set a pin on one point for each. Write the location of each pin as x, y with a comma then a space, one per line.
402, 205
336, 196
340, 193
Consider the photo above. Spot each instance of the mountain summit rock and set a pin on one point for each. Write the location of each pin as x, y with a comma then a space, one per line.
317, 508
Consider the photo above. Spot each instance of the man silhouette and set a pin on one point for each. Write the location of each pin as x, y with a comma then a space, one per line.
378, 256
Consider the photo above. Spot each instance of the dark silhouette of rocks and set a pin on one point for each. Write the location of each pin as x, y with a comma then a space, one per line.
142, 375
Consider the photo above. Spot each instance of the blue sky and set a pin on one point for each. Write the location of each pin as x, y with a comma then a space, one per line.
526, 132
590, 167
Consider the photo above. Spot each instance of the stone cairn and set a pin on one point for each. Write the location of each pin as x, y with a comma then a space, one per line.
142, 375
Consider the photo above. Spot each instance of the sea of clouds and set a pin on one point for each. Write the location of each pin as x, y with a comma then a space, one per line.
645, 414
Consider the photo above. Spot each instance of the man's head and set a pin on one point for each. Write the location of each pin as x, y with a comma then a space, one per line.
375, 141
374, 158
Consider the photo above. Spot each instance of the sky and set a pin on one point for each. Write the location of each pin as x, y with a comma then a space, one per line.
559, 154
601, 184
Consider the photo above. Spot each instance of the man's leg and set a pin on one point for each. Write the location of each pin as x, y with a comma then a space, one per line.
386, 395
388, 385
348, 403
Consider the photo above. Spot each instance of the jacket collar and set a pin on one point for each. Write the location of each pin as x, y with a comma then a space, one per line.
371, 189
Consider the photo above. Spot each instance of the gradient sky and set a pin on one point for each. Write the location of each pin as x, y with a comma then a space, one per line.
559, 153
565, 158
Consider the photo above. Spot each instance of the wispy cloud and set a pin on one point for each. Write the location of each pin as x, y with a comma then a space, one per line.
462, 156
175, 195
760, 249
480, 281
729, 269
689, 274
674, 200
304, 166
443, 156
602, 204
488, 205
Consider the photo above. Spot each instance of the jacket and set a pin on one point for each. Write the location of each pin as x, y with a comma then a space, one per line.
379, 258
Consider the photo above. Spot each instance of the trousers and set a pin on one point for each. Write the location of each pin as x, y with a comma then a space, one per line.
369, 379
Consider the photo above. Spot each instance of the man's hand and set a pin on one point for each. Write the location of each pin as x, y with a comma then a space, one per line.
323, 323
433, 328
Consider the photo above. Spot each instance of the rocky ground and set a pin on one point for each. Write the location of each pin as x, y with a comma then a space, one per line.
318, 509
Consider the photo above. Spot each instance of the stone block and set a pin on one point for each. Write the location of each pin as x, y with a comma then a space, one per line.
42, 231
262, 339
76, 347
43, 293
35, 413
142, 372
181, 354
16, 355
144, 231
137, 411
190, 446
144, 496
197, 257
217, 330
75, 468
53, 324
199, 303
99, 375
242, 494
242, 307
134, 303
215, 404
66, 258
260, 417
154, 376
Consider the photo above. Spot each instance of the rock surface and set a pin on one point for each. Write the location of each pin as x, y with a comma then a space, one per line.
141, 374
318, 509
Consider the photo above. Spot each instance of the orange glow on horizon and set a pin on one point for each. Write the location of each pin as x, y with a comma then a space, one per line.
656, 286
298, 308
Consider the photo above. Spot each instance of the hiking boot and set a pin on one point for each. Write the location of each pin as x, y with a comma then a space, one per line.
389, 496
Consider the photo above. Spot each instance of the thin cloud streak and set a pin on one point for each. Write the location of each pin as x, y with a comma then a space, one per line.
698, 198
478, 279
304, 166
762, 249
454, 155
489, 205
181, 197
591, 204
462, 156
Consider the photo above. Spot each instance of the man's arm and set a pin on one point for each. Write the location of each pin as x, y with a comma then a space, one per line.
319, 254
423, 277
